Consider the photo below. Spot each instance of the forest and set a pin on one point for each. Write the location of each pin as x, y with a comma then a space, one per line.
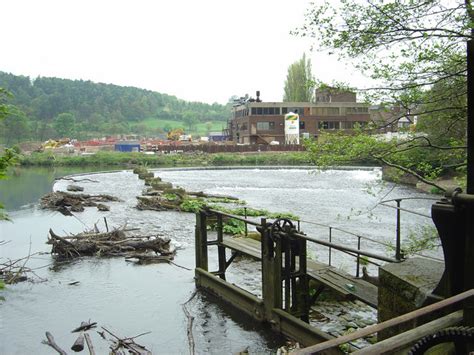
42, 108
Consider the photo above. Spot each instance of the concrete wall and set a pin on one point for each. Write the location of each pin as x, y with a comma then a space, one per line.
405, 287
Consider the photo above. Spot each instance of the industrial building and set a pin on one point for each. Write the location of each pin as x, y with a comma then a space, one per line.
257, 122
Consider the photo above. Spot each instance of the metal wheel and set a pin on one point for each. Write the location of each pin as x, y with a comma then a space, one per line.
461, 337
281, 225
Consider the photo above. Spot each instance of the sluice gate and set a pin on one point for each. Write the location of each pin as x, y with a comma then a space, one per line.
286, 271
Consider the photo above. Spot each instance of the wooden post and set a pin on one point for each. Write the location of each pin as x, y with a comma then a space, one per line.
267, 261
304, 280
271, 272
220, 248
201, 240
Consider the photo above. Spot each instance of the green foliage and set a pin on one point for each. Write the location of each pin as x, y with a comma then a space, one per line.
192, 205
364, 260
2, 285
104, 108
421, 239
299, 82
233, 226
170, 197
413, 156
64, 125
417, 52
123, 159
8, 158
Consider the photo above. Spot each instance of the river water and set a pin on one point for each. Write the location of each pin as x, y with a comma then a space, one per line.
128, 299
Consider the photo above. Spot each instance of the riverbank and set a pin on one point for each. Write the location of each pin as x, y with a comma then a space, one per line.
157, 160
446, 182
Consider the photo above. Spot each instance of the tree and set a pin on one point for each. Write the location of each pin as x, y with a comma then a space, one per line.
7, 158
416, 50
15, 126
299, 82
64, 124
190, 119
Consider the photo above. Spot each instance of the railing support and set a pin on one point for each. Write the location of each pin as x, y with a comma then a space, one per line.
398, 254
330, 241
358, 257
220, 248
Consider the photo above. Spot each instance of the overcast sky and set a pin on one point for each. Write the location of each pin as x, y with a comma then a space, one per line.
197, 50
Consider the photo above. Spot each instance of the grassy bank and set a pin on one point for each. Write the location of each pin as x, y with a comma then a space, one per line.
195, 159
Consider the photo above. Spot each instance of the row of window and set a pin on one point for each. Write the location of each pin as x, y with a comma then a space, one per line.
337, 111
340, 125
270, 126
315, 111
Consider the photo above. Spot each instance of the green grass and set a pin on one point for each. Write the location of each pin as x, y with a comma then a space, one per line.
197, 159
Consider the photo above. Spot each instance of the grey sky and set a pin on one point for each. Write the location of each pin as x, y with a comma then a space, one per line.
198, 50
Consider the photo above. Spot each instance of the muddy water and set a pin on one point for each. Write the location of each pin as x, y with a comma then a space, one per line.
130, 300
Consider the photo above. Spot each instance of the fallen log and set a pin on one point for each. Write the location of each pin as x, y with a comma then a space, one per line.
84, 326
74, 188
205, 195
149, 259
53, 344
78, 344
65, 202
89, 344
128, 343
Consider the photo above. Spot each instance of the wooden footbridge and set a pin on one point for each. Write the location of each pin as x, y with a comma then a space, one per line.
286, 273
328, 277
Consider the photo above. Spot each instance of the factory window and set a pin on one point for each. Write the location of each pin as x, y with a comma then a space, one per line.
265, 126
328, 125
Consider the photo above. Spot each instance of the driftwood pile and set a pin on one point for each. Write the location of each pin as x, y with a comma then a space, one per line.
161, 195
113, 243
14, 271
66, 203
118, 346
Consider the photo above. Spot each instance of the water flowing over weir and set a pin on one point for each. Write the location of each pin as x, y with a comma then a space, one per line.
134, 299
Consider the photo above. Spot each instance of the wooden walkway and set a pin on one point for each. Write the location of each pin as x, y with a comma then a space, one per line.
338, 281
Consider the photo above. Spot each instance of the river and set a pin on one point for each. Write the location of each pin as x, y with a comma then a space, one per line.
129, 299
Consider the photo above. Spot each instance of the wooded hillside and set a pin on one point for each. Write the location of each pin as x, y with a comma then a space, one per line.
46, 107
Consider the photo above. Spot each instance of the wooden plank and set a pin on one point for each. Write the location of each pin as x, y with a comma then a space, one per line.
387, 324
407, 339
239, 244
328, 275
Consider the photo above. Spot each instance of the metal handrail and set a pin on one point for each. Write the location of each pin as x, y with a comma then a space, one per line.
351, 251
405, 210
387, 324
344, 248
347, 232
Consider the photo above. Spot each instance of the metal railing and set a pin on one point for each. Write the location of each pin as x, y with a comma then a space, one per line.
356, 252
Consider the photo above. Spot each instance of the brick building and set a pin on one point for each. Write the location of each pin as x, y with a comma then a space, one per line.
256, 122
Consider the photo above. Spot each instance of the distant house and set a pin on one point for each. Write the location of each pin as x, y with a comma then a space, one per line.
217, 137
257, 122
393, 118
127, 147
